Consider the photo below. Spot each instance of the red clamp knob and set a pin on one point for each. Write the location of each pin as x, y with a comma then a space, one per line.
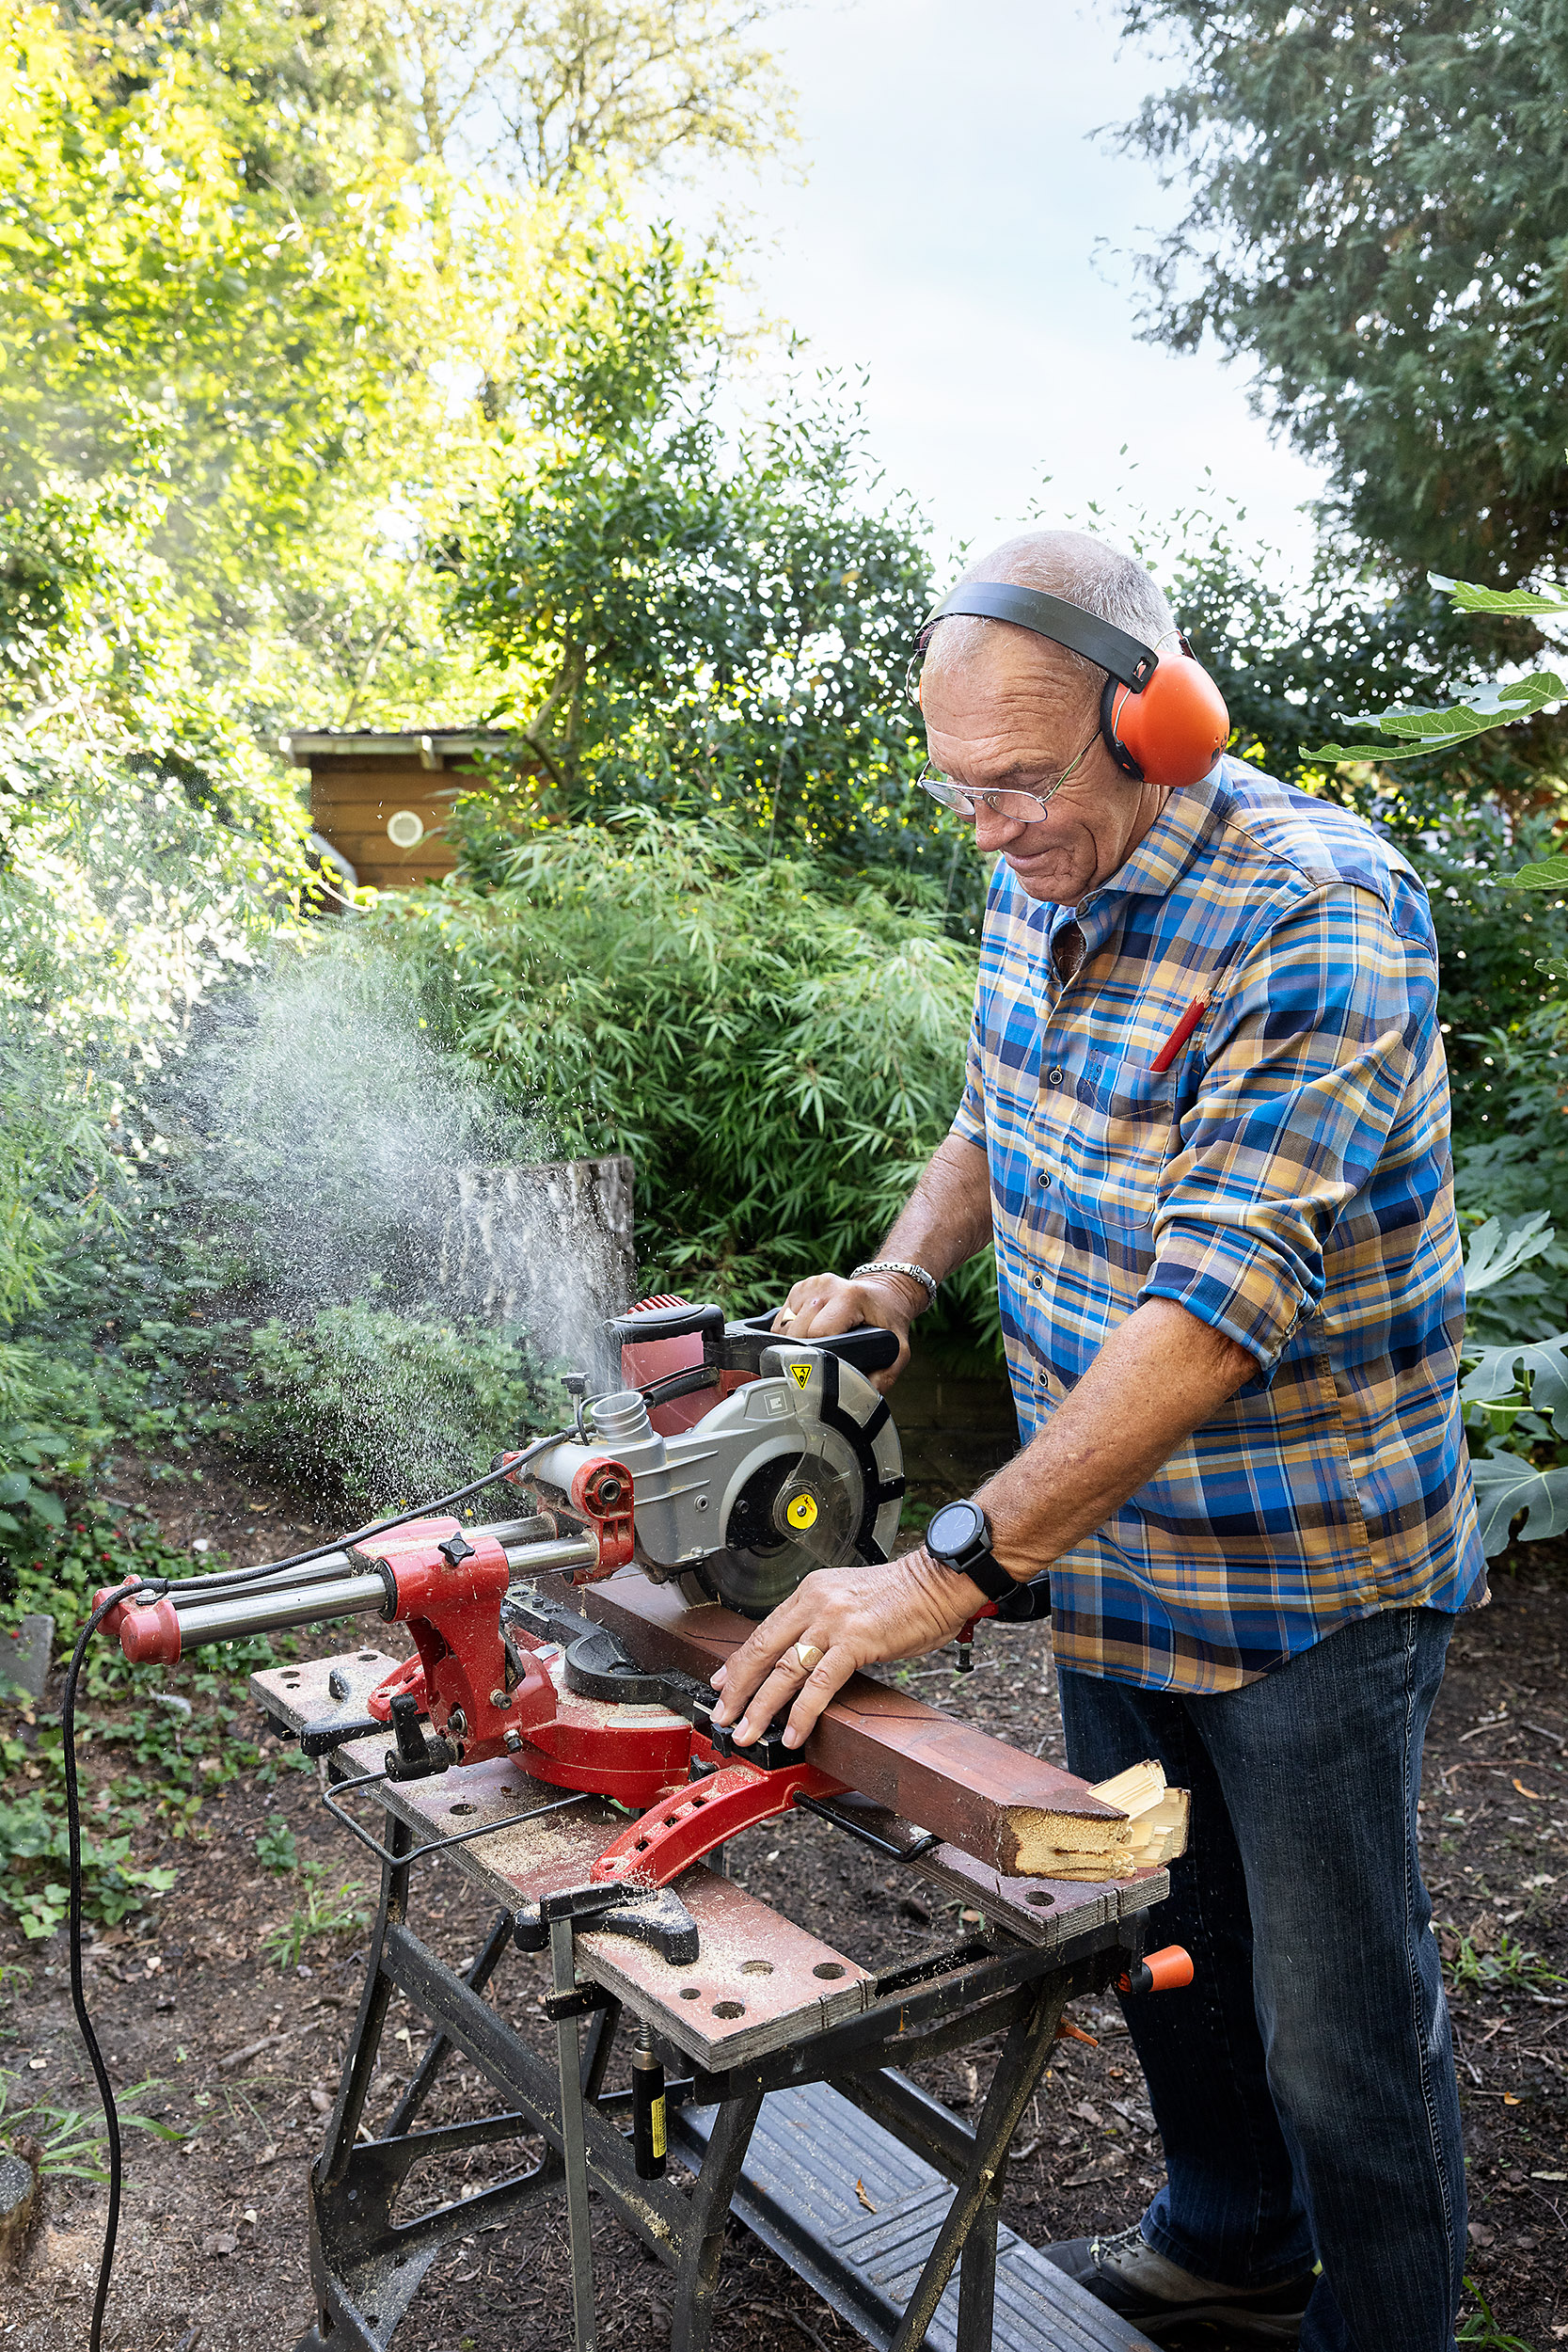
1163, 1971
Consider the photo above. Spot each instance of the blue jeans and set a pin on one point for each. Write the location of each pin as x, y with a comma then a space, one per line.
1304, 2084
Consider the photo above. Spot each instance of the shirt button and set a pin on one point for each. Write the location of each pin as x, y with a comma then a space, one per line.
1055, 1077
1036, 1281
1043, 1179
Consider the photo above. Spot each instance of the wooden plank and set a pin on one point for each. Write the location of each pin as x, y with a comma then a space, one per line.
994, 1802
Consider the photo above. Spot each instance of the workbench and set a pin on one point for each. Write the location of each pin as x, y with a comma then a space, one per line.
787, 2084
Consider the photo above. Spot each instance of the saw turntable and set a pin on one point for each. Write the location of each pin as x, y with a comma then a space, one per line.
552, 1735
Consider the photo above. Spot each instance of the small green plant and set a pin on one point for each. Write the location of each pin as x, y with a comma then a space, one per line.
274, 1848
386, 1405
1480, 2327
1510, 1969
71, 2144
326, 1910
33, 1834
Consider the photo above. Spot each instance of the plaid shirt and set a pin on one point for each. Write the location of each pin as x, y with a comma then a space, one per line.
1287, 1180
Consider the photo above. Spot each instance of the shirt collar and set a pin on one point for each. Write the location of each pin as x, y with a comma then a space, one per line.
1163, 857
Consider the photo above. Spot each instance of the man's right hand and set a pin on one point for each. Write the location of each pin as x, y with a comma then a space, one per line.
822, 1305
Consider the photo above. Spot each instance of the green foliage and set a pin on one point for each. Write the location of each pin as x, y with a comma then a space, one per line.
34, 1858
71, 2144
543, 95
1408, 732
1509, 1969
276, 1848
703, 624
56, 1566
779, 1051
1480, 2327
1515, 1391
172, 1748
228, 230
1510, 1164
327, 1910
215, 274
59, 1184
386, 1407
1386, 248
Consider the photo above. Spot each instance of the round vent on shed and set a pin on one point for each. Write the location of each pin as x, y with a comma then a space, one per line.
405, 831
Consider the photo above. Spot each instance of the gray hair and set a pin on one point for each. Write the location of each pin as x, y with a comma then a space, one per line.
1086, 571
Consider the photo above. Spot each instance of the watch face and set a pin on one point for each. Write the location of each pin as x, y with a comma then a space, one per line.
955, 1527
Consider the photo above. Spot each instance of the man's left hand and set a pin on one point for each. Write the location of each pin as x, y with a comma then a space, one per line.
852, 1617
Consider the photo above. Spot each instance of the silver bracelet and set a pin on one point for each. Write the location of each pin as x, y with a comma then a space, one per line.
899, 1265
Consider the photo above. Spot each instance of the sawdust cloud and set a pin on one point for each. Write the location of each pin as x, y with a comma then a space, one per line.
334, 1164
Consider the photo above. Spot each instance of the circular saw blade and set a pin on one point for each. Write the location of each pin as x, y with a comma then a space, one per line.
797, 1513
829, 1492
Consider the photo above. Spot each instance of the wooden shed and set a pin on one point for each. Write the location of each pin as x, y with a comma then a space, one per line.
382, 801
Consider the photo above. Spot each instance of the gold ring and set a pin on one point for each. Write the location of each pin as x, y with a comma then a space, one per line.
808, 1654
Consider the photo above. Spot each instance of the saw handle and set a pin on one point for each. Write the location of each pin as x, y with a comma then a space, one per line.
868, 1349
679, 1322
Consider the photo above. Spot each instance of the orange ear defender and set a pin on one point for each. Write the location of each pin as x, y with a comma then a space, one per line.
1163, 717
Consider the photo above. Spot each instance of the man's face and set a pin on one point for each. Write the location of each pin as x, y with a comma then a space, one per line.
1014, 717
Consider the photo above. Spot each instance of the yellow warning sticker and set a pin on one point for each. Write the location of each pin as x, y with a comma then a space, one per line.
800, 1373
801, 1511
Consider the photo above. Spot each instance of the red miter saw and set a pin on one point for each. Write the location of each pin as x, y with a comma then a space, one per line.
732, 1461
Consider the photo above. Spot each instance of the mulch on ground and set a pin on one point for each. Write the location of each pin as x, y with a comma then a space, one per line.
244, 2053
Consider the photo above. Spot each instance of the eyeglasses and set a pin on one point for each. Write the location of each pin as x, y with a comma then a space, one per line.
1018, 808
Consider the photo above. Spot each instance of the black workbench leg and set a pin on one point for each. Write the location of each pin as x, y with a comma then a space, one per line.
1018, 2070
702, 2244
977, 2281
601, 2042
574, 2144
418, 2090
360, 2063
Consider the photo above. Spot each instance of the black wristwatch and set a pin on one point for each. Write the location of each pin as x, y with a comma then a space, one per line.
958, 1537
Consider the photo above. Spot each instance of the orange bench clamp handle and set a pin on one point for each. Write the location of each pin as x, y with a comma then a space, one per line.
1163, 1971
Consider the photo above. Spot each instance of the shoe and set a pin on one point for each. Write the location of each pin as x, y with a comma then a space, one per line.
1126, 2274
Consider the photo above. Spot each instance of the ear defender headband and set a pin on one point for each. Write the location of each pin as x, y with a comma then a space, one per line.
1162, 717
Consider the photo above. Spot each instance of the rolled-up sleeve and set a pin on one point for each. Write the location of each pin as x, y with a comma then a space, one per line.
1307, 1055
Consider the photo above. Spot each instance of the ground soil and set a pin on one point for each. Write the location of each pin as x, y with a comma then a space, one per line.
244, 2056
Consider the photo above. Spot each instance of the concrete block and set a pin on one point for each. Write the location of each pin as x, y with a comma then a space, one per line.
25, 1651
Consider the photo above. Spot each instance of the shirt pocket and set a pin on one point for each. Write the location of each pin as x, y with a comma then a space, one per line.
1115, 1137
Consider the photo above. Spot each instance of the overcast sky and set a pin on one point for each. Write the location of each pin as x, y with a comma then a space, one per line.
944, 238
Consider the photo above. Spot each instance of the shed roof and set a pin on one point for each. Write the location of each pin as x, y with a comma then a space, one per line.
432, 746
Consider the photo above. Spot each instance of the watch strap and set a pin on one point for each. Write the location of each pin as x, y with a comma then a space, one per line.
985, 1569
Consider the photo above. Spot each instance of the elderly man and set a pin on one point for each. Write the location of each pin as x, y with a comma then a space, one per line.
1232, 1300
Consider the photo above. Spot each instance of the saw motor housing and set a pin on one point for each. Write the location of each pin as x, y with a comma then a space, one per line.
753, 1460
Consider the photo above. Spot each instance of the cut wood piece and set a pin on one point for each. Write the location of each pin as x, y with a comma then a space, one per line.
996, 1803
1162, 1831
1135, 1790
1153, 1831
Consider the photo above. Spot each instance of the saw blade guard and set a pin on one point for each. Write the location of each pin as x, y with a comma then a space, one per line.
787, 1460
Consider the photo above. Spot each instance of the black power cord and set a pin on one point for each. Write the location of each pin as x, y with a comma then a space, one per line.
78, 1996
237, 1579
240, 1579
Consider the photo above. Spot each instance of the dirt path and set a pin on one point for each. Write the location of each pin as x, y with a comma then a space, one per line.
244, 2051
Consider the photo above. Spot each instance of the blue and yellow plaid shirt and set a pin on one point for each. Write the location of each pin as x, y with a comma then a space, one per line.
1287, 1180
